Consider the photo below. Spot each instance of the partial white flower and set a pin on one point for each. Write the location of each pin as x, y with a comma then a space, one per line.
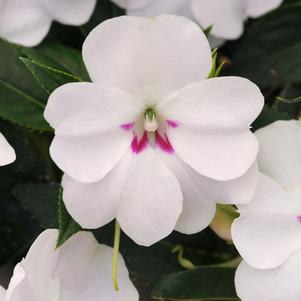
7, 153
27, 22
152, 130
226, 17
278, 284
80, 270
268, 231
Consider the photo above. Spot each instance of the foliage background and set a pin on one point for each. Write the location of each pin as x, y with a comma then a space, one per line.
269, 53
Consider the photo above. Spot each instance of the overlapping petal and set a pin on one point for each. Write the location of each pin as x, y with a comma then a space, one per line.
282, 283
198, 207
83, 256
132, 4
70, 12
7, 153
151, 200
154, 56
226, 17
268, 231
2, 293
94, 205
279, 153
33, 22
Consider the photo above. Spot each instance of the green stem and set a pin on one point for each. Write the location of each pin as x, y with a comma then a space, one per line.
115, 255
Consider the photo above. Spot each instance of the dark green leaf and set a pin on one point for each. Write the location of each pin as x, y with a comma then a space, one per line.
67, 226
41, 201
199, 284
21, 100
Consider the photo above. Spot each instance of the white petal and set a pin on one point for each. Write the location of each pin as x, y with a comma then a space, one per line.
90, 158
268, 231
258, 8
33, 277
159, 7
7, 153
131, 4
224, 102
218, 154
84, 268
2, 293
198, 207
94, 205
86, 108
23, 22
154, 56
279, 284
70, 12
279, 154
226, 17
238, 191
151, 200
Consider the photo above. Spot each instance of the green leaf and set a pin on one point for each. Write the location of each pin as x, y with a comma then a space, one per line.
269, 51
199, 284
21, 100
40, 200
67, 226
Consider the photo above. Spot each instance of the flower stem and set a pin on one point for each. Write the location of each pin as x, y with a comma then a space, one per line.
115, 255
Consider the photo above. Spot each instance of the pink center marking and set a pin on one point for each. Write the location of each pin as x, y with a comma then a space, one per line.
172, 123
299, 218
163, 143
127, 126
139, 145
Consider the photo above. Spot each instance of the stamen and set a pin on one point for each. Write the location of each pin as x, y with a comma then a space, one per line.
115, 255
150, 122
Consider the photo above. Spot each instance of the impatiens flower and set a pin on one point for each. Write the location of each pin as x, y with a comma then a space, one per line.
78, 271
7, 153
226, 17
268, 232
27, 22
152, 141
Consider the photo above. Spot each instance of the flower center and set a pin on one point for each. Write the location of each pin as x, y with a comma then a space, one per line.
150, 120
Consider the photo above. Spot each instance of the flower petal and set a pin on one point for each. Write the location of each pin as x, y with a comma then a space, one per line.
2, 293
238, 191
269, 222
256, 8
279, 152
282, 283
131, 4
154, 56
94, 261
32, 26
85, 108
70, 12
94, 205
223, 102
7, 153
151, 199
198, 208
33, 277
226, 17
90, 158
159, 7
217, 154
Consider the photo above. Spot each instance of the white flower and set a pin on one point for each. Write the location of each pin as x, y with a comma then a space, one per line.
226, 17
151, 73
268, 232
80, 270
27, 22
7, 153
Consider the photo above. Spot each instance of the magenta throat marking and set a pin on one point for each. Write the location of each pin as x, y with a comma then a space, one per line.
172, 123
299, 218
163, 143
127, 126
139, 145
